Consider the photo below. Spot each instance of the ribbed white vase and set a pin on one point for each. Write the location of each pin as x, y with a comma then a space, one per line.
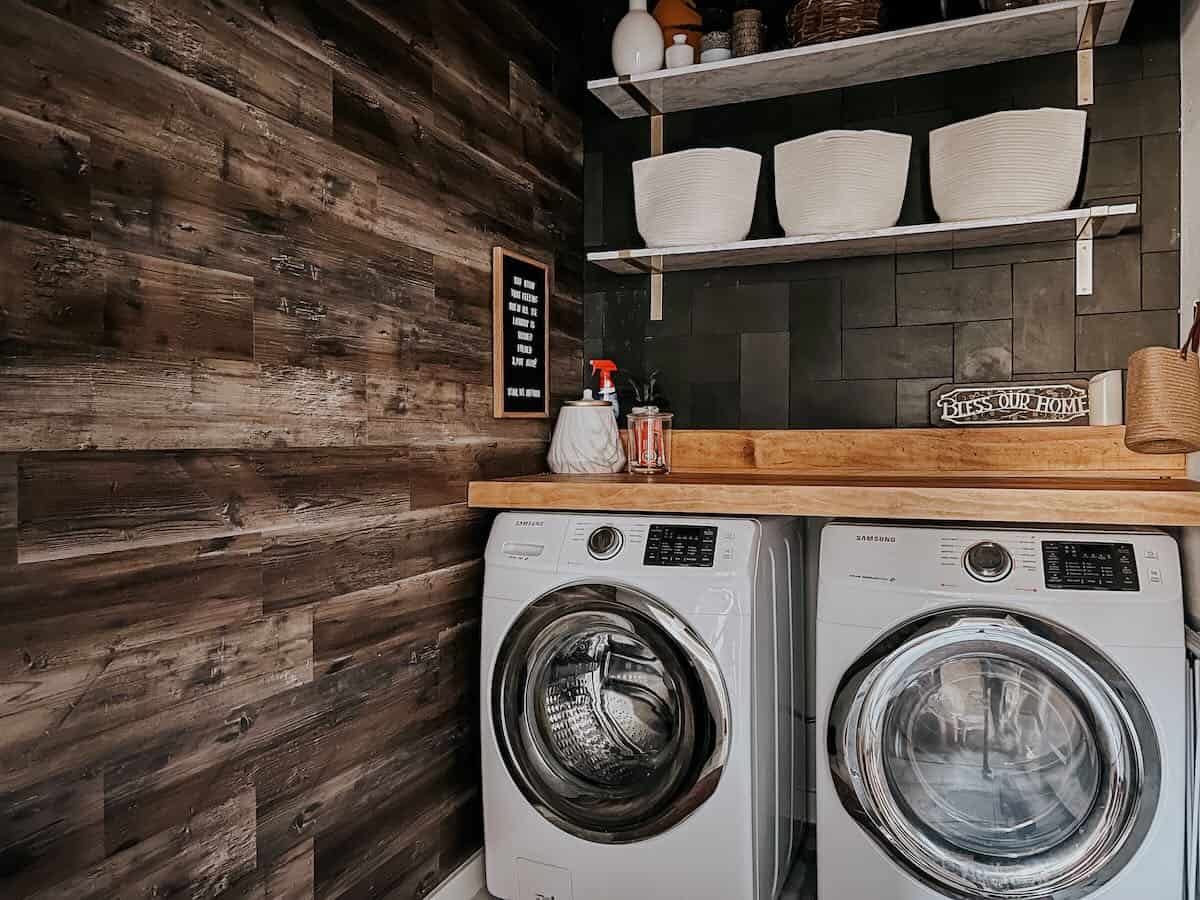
586, 440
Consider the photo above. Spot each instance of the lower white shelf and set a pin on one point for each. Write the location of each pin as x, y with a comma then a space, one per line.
1071, 225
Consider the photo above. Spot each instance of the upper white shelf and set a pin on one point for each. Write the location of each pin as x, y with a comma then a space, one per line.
1072, 225
995, 37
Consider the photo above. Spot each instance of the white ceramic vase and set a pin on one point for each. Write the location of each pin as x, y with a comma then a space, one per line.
586, 440
637, 44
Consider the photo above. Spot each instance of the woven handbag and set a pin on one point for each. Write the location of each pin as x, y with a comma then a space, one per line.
1164, 397
818, 21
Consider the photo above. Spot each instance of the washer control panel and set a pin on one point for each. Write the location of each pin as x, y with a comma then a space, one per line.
605, 542
1078, 566
681, 545
988, 561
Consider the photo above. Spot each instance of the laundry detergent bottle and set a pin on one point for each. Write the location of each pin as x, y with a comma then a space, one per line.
608, 390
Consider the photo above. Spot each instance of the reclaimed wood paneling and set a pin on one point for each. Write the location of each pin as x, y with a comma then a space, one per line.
245, 381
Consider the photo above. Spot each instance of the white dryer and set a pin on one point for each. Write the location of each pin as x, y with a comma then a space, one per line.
639, 682
1002, 712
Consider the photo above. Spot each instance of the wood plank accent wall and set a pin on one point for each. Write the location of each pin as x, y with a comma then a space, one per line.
245, 377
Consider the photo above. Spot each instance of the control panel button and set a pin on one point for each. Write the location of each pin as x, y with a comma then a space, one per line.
605, 542
988, 561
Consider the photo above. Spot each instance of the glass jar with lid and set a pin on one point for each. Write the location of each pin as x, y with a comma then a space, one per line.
649, 441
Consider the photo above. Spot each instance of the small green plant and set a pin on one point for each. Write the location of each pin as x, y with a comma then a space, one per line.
646, 392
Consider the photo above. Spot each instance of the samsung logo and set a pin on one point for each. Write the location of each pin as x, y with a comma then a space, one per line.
529, 523
875, 538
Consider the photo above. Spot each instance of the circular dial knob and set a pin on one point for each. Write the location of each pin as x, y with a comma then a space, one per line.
605, 542
988, 561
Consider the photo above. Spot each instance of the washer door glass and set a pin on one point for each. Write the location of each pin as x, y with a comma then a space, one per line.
995, 756
610, 713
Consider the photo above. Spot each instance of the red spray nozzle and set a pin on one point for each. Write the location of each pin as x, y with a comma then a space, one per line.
605, 367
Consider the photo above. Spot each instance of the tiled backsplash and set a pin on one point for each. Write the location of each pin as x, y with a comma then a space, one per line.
861, 343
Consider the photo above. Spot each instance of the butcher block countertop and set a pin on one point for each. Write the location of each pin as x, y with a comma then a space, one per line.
1080, 476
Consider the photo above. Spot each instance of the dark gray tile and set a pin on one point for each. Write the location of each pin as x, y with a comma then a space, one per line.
1160, 45
974, 257
843, 404
669, 356
1135, 108
1119, 62
593, 199
1044, 316
1160, 193
869, 292
1113, 168
983, 351
715, 406
745, 308
961, 295
1106, 341
912, 401
593, 315
1160, 281
1116, 276
865, 102
936, 261
923, 351
592, 349
765, 381
713, 358
924, 93
677, 306
816, 330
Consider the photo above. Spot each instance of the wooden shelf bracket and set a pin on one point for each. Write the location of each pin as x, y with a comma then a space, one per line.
1085, 56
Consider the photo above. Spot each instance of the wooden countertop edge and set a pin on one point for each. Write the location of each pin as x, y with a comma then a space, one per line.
1079, 501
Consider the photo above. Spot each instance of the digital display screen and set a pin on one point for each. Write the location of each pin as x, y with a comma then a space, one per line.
1073, 566
681, 545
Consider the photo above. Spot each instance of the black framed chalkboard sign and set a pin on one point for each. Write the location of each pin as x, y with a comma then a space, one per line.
521, 289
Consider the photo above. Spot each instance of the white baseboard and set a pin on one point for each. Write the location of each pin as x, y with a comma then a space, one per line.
466, 882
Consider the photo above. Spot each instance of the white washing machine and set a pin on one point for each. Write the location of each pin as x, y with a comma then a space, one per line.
639, 730
1003, 714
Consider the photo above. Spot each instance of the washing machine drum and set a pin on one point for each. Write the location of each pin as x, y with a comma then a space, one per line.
994, 755
610, 713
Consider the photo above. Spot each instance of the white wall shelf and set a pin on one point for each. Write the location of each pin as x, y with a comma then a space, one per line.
1079, 225
1069, 25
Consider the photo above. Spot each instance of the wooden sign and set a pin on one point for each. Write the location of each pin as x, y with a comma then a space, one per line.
521, 289
1061, 403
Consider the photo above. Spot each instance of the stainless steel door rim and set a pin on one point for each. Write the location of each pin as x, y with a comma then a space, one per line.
995, 756
610, 713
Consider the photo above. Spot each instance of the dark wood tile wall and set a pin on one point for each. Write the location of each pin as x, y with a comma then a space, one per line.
244, 379
863, 342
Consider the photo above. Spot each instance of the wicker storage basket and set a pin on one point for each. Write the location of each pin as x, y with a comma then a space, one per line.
818, 21
1164, 401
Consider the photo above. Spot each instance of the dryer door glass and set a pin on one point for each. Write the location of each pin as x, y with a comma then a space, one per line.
610, 713
996, 756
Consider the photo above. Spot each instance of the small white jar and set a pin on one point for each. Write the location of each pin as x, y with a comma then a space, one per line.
586, 440
682, 54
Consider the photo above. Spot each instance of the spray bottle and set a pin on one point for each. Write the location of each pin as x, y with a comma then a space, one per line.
608, 390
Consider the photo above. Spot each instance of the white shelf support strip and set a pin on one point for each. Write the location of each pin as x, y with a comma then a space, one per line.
1090, 18
1084, 260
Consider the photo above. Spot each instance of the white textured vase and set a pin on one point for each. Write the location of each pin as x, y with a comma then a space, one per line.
637, 44
586, 440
